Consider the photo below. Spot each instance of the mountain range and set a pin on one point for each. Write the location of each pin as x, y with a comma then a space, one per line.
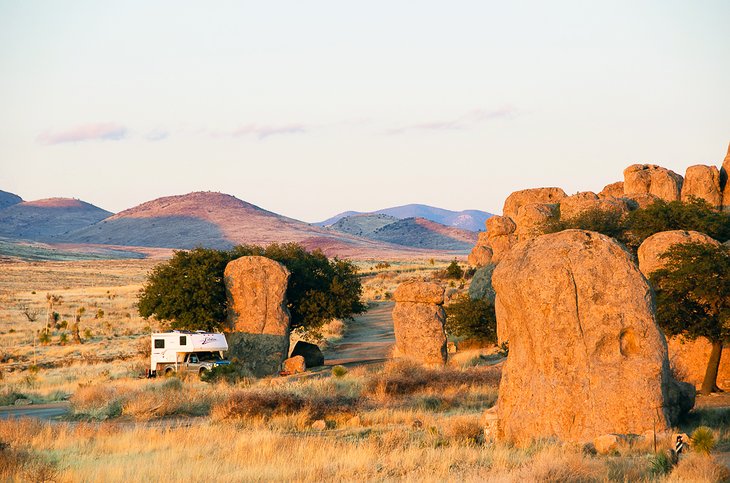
472, 220
217, 220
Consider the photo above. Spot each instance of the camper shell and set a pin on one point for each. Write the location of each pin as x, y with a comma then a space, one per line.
186, 351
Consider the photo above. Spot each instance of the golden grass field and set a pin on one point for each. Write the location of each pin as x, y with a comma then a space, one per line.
394, 421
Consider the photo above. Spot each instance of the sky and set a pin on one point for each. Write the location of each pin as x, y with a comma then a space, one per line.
310, 108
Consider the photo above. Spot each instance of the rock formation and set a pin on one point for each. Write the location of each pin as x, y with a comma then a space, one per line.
724, 183
688, 357
294, 365
650, 250
534, 195
613, 190
578, 203
531, 219
312, 354
418, 321
586, 357
501, 235
703, 182
482, 253
652, 179
480, 287
257, 314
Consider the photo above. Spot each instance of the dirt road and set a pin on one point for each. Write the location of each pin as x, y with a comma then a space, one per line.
368, 339
45, 412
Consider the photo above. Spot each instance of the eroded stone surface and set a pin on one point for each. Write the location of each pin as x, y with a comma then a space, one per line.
703, 182
586, 357
418, 322
654, 180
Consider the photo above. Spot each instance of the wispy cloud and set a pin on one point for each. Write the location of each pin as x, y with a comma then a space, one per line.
102, 131
263, 132
465, 121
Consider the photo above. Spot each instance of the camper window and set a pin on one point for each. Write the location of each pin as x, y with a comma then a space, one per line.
159, 343
183, 340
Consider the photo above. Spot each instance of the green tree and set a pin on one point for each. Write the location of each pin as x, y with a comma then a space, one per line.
693, 298
189, 291
607, 222
695, 214
454, 270
474, 319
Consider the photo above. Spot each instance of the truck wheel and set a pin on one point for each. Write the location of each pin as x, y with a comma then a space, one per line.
202, 372
169, 372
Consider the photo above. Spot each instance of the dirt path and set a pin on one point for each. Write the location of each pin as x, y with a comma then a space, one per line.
368, 339
44, 412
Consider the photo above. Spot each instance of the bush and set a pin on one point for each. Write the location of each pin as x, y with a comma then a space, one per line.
339, 371
475, 319
660, 464
454, 271
703, 440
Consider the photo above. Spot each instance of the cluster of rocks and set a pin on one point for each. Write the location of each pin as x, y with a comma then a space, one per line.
525, 212
259, 320
587, 361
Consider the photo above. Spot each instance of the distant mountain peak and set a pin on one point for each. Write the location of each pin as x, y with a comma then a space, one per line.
472, 220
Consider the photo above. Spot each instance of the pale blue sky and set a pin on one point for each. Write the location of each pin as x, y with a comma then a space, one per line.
309, 108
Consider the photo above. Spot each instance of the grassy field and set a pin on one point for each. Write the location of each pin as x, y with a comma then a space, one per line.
378, 422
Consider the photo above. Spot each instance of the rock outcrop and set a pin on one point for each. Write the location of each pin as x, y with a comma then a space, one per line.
688, 357
534, 195
724, 183
650, 250
703, 182
294, 365
480, 287
578, 203
613, 190
586, 357
652, 179
482, 253
257, 314
531, 219
418, 322
501, 235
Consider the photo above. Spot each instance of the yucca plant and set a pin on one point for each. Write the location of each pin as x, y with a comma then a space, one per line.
703, 440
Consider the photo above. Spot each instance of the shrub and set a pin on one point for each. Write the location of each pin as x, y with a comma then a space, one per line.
660, 464
339, 371
454, 271
472, 318
703, 440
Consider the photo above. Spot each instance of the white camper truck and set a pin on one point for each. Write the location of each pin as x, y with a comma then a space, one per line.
186, 351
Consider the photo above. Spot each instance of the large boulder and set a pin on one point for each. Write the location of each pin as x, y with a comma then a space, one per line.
312, 354
724, 183
578, 203
586, 357
531, 219
613, 190
501, 235
654, 246
652, 179
690, 357
257, 313
703, 182
482, 252
480, 287
418, 322
534, 195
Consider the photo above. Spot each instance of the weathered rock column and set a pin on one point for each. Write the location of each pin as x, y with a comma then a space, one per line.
257, 315
418, 321
586, 357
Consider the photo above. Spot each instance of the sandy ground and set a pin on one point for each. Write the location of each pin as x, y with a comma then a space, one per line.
368, 339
